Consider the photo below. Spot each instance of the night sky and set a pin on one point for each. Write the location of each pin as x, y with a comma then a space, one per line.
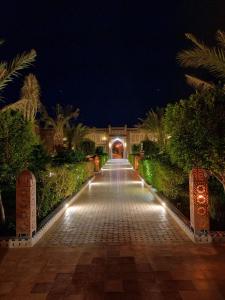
113, 59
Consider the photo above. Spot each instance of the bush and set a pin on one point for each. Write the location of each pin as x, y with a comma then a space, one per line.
167, 179
216, 204
150, 149
57, 183
103, 159
17, 141
131, 159
87, 147
136, 148
99, 150
39, 159
68, 157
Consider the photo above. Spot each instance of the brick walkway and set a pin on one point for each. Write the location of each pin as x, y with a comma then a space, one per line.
116, 208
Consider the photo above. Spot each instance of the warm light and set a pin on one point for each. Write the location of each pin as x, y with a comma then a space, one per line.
66, 205
115, 169
110, 144
125, 144
108, 183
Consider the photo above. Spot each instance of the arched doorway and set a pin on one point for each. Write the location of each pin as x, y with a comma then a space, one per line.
117, 150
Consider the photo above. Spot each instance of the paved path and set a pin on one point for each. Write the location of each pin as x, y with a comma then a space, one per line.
115, 208
124, 246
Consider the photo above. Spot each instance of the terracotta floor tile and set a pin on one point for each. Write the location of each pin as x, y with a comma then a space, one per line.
204, 284
6, 287
113, 286
200, 295
42, 288
131, 286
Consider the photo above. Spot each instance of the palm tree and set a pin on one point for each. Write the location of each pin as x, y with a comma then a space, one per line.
203, 56
60, 122
153, 122
76, 134
10, 70
29, 102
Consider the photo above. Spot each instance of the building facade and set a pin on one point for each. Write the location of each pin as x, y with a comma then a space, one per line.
118, 141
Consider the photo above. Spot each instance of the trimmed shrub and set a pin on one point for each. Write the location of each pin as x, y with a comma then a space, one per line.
131, 159
103, 159
168, 179
57, 183
216, 204
68, 157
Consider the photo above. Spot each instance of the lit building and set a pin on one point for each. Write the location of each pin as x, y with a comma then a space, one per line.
118, 141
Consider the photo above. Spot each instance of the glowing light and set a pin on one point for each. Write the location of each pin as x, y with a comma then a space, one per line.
109, 183
116, 169
104, 138
66, 205
163, 204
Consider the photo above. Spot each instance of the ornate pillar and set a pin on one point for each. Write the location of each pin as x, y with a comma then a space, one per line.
199, 201
97, 163
26, 225
136, 162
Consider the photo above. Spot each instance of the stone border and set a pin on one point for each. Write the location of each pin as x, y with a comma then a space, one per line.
179, 218
45, 225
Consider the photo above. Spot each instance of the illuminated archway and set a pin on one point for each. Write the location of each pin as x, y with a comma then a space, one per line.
117, 148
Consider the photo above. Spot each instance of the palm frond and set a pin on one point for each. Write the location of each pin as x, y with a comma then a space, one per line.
195, 41
72, 115
31, 88
29, 103
220, 36
198, 84
210, 59
11, 70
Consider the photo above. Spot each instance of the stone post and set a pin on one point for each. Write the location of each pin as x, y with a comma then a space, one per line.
199, 200
26, 225
97, 163
136, 162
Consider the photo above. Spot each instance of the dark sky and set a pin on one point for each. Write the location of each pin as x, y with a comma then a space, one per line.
113, 59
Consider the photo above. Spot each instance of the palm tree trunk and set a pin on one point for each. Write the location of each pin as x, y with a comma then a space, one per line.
2, 211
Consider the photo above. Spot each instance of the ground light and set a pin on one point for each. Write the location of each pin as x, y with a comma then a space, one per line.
116, 169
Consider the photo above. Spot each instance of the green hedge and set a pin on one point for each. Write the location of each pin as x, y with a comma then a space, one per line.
57, 183
103, 159
167, 179
131, 159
